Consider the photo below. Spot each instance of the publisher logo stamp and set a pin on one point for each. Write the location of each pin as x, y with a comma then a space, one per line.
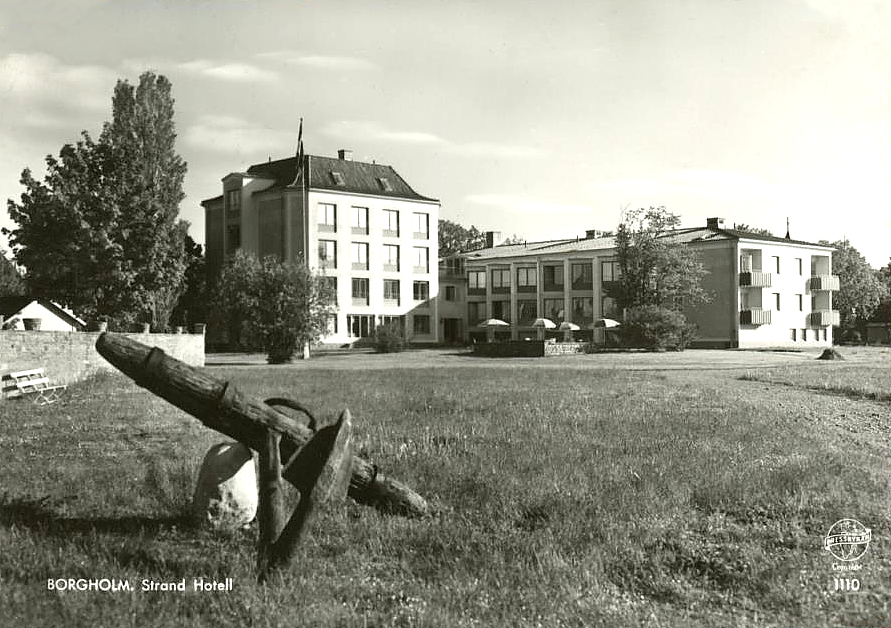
847, 540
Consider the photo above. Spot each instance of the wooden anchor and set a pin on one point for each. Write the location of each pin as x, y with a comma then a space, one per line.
317, 461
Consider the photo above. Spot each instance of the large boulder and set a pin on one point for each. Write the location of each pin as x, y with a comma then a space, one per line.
226, 491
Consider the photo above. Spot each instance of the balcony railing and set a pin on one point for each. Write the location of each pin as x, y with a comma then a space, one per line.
823, 282
754, 279
754, 317
823, 318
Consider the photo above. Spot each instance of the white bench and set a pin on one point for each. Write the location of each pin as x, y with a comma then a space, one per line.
33, 382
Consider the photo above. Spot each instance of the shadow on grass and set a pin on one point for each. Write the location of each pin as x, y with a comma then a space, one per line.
38, 515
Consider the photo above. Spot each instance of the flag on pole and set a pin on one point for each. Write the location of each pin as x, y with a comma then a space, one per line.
300, 155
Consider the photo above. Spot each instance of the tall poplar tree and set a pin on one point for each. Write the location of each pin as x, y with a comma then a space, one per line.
101, 233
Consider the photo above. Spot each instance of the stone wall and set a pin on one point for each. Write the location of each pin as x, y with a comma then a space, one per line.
71, 356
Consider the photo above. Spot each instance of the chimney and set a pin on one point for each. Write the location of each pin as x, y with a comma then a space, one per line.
345, 154
714, 223
493, 238
590, 234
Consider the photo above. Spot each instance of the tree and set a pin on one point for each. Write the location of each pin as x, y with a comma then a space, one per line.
287, 303
453, 238
100, 234
655, 269
860, 289
11, 282
191, 307
749, 229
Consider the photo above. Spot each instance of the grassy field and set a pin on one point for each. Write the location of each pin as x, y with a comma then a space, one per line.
564, 497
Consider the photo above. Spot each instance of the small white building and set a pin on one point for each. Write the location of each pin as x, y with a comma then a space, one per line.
52, 316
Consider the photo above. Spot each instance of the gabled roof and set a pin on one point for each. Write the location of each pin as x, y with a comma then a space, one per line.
338, 175
10, 306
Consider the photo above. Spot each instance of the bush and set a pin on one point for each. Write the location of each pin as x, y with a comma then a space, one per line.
388, 339
656, 329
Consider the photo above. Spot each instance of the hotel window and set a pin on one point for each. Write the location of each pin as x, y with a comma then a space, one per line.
360, 325
360, 291
800, 302
327, 254
776, 263
476, 281
327, 217
233, 200
391, 290
421, 323
776, 300
553, 277
337, 179
360, 255
421, 259
553, 310
385, 184
608, 308
233, 238
331, 324
360, 220
526, 311
501, 310
800, 265
391, 257
421, 290
793, 334
421, 225
331, 284
582, 277
451, 293
527, 279
391, 223
804, 335
610, 271
476, 313
501, 280
582, 310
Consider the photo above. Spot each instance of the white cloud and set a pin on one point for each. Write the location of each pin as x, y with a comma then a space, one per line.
30, 81
526, 204
322, 62
229, 134
368, 131
240, 72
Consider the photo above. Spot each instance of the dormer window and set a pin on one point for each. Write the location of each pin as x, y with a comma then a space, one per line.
385, 184
338, 179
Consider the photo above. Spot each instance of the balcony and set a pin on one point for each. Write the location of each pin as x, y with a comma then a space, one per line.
819, 283
754, 279
823, 318
754, 317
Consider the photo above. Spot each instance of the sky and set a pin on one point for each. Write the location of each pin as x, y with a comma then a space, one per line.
539, 119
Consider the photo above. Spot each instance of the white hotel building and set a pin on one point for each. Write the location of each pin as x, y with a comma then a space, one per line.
359, 224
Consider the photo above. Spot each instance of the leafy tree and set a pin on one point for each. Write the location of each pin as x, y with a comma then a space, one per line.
287, 303
860, 290
11, 282
192, 305
453, 238
656, 328
655, 269
749, 229
100, 234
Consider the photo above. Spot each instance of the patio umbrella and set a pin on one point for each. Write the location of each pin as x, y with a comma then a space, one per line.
567, 328
494, 322
491, 325
606, 323
544, 323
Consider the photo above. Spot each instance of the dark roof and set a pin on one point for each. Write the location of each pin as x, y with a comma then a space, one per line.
354, 177
12, 305
215, 199
573, 245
